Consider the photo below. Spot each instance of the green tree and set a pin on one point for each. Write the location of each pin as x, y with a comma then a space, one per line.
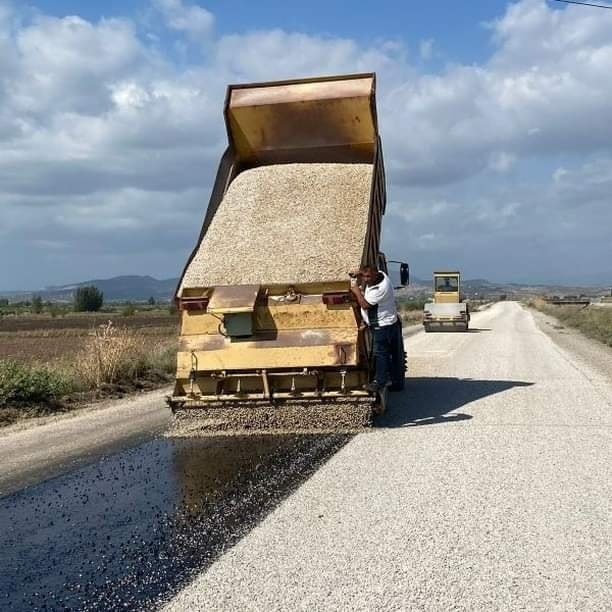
151, 301
88, 299
37, 304
128, 310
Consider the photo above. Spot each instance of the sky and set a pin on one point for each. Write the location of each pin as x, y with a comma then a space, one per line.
495, 119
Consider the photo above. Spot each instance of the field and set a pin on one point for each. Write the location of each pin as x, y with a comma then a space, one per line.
50, 363
46, 339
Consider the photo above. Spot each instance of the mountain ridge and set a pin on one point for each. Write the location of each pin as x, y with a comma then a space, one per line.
133, 287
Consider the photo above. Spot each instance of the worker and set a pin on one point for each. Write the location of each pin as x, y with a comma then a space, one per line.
379, 312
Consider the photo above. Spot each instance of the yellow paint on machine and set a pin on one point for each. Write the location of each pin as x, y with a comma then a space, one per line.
269, 317
274, 341
337, 348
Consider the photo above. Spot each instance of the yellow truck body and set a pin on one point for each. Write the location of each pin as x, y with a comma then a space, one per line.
293, 340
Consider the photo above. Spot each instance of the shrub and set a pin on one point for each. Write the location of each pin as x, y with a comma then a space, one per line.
117, 354
22, 385
162, 359
88, 299
128, 310
407, 305
112, 353
37, 304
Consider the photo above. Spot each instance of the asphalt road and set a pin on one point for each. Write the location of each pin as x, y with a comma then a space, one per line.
486, 487
30, 454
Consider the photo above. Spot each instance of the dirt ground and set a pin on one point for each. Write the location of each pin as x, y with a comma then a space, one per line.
43, 339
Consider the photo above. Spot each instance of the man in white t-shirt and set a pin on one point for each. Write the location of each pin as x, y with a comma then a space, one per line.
379, 312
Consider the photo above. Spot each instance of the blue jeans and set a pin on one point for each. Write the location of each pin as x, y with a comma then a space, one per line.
389, 355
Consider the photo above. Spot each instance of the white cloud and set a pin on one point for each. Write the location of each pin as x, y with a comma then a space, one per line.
426, 49
66, 65
546, 90
192, 19
103, 136
558, 174
501, 161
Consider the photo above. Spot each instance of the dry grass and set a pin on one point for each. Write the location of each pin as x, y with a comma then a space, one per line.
594, 322
84, 322
46, 340
105, 361
289, 223
109, 353
411, 317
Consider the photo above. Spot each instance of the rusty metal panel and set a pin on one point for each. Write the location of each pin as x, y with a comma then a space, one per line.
327, 119
298, 339
304, 316
234, 298
304, 348
198, 322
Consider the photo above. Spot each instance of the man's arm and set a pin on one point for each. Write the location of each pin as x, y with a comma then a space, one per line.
356, 291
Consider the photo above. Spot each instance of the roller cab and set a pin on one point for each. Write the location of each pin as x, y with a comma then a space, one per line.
447, 310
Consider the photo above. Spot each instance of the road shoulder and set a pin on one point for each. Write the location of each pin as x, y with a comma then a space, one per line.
29, 456
591, 353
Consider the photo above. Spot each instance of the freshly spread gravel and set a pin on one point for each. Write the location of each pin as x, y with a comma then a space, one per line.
262, 418
288, 223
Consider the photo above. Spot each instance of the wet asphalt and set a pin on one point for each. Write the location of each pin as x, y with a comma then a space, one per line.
130, 530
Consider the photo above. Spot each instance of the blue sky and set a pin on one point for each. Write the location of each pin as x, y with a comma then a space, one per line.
494, 118
458, 23
459, 28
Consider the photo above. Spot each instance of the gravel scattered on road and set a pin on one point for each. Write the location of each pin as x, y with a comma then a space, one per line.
128, 531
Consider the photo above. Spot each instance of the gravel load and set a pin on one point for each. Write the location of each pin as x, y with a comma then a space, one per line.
286, 223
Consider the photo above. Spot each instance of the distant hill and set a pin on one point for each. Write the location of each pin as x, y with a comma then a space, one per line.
482, 288
141, 288
119, 288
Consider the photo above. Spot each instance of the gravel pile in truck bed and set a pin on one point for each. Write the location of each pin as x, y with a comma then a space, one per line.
286, 223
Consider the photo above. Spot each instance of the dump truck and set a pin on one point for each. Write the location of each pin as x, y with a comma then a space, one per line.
448, 310
266, 314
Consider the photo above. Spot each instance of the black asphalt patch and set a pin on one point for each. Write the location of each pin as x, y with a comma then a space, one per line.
127, 532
